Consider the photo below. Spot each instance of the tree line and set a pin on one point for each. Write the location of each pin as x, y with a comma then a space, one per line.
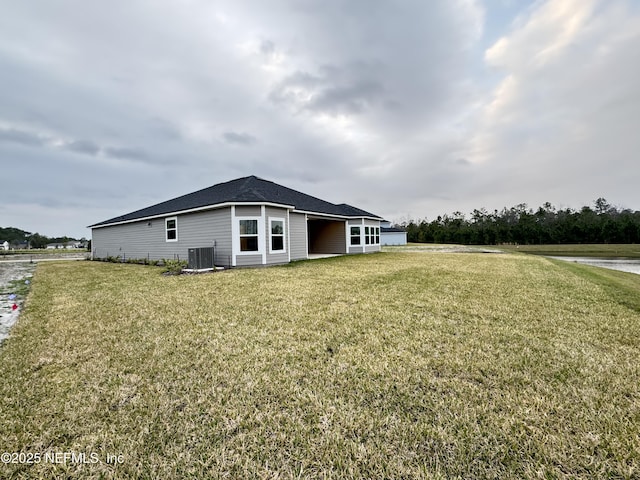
601, 223
17, 237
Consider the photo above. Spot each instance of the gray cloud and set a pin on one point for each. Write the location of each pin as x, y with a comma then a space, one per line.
336, 91
127, 153
267, 48
86, 147
21, 137
239, 138
392, 107
396, 66
163, 129
352, 98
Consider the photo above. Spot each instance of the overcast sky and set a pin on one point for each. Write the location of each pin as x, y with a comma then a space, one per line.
407, 109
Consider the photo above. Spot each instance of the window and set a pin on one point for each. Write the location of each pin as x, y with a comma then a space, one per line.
355, 235
248, 235
171, 229
372, 235
277, 235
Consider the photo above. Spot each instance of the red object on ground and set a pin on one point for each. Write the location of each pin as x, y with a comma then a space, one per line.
14, 307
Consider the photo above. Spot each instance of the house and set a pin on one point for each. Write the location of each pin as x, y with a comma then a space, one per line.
392, 236
4, 245
65, 245
249, 221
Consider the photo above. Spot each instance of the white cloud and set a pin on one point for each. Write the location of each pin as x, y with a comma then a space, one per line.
544, 34
559, 122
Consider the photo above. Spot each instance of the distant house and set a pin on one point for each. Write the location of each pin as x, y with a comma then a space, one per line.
392, 236
249, 221
4, 245
70, 244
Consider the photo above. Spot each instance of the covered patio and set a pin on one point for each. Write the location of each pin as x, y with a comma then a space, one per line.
326, 236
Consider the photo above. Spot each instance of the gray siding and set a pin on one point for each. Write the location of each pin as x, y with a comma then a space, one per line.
202, 229
146, 239
248, 211
248, 260
298, 236
274, 258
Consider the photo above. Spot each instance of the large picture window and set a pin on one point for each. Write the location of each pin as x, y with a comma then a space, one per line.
354, 235
372, 235
248, 235
171, 229
276, 230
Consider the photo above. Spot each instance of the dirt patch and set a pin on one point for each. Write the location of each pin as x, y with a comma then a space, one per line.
9, 295
39, 257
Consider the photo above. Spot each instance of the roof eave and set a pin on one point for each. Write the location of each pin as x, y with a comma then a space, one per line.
333, 215
190, 210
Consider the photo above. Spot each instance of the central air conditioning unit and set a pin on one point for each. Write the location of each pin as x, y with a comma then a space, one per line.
200, 258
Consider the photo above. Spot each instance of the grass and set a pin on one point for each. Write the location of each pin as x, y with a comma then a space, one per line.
581, 250
393, 365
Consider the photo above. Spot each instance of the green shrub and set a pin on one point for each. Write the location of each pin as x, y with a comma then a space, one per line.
173, 267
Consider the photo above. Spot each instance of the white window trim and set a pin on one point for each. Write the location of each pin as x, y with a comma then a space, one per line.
371, 239
359, 235
259, 236
262, 239
306, 235
284, 236
288, 237
166, 230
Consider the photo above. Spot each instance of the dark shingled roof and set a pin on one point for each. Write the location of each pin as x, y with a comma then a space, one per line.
247, 189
